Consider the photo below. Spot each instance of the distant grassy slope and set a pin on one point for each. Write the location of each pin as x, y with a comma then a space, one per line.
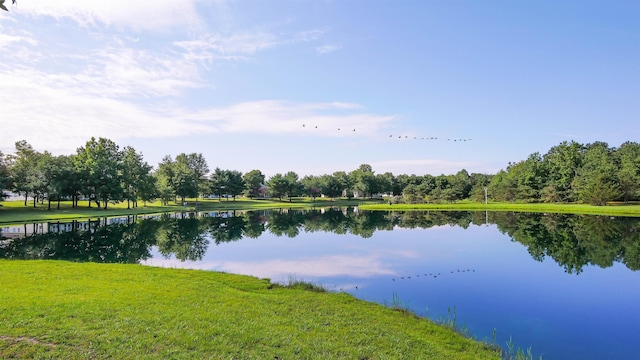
616, 209
72, 310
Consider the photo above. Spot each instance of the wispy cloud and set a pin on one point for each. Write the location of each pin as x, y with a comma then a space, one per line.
59, 113
326, 49
156, 16
113, 87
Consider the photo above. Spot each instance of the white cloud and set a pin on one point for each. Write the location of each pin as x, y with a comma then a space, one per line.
156, 15
326, 49
277, 117
60, 112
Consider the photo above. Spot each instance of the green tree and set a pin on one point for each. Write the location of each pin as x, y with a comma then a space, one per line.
411, 194
135, 176
597, 181
189, 174
294, 187
386, 183
278, 186
312, 186
627, 159
22, 165
99, 161
57, 172
218, 182
164, 179
5, 179
562, 163
235, 183
364, 181
345, 183
331, 186
253, 180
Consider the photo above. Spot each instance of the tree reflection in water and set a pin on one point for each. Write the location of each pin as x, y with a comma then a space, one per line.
573, 241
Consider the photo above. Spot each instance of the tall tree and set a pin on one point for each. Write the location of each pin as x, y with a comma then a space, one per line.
331, 186
5, 179
99, 161
364, 180
135, 175
278, 186
311, 186
627, 158
562, 164
218, 182
188, 173
235, 184
294, 187
253, 180
22, 164
345, 183
386, 183
597, 182
164, 179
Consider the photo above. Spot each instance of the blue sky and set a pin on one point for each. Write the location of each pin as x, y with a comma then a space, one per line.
237, 80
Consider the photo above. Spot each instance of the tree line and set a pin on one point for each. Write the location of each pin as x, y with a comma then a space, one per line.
103, 173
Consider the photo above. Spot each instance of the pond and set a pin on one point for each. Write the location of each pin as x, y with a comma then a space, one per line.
565, 285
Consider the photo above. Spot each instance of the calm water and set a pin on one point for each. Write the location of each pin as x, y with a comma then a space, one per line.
567, 286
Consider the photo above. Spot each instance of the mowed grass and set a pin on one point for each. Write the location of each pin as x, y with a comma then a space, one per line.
15, 211
56, 309
613, 209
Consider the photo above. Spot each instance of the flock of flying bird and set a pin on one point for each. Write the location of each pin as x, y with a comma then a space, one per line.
406, 136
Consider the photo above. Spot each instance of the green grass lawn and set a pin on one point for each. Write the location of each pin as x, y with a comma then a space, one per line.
15, 211
56, 309
616, 209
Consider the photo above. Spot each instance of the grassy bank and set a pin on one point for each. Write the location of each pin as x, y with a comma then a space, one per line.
614, 209
71, 310
15, 211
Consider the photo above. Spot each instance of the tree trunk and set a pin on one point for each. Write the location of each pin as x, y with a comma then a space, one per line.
59, 203
49, 204
26, 197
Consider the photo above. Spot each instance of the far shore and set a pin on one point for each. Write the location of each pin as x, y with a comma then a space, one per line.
16, 212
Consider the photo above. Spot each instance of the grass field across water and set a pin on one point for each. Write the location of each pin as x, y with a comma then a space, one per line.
85, 310
613, 209
16, 212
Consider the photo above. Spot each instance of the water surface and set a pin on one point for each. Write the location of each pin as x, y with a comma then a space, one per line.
567, 286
